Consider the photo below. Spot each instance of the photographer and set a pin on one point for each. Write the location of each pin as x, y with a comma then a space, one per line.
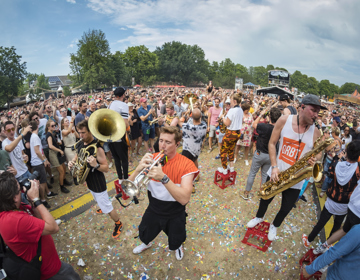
21, 229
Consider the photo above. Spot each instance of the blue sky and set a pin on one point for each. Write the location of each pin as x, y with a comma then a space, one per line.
321, 38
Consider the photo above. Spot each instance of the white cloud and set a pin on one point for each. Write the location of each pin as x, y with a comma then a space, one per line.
71, 1
319, 38
73, 44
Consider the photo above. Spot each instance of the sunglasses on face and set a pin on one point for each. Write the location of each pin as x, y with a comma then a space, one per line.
35, 119
54, 125
62, 111
10, 129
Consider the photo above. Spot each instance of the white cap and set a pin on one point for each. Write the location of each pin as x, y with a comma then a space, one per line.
228, 100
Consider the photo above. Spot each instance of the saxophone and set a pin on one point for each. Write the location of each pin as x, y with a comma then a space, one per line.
296, 173
81, 167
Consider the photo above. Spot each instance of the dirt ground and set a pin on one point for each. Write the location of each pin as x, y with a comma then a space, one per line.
216, 225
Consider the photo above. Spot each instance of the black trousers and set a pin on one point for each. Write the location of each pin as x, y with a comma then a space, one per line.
119, 151
152, 224
288, 200
324, 218
351, 220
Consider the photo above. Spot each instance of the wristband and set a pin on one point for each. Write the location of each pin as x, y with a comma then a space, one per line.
44, 161
22, 135
37, 203
35, 199
275, 166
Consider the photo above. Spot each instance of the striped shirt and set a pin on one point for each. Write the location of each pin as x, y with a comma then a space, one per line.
161, 201
121, 107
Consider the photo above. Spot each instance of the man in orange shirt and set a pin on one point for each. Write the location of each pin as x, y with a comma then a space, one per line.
168, 191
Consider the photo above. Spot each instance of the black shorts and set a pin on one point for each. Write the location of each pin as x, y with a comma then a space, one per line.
152, 224
189, 155
42, 173
351, 220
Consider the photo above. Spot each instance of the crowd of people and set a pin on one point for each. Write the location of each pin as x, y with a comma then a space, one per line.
43, 137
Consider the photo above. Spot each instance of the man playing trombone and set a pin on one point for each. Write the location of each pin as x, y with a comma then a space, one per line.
169, 191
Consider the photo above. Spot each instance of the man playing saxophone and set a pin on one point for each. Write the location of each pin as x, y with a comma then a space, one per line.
95, 180
168, 191
297, 134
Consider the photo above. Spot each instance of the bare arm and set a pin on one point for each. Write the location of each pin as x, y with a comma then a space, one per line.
51, 146
41, 110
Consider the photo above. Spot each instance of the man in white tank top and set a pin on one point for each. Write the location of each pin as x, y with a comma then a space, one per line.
297, 134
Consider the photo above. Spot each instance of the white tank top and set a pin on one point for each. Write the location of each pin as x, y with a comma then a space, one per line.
289, 146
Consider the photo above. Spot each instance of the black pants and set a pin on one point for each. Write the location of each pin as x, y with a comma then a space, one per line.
119, 151
288, 200
152, 224
324, 218
351, 220
156, 146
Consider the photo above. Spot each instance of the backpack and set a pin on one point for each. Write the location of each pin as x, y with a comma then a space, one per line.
16, 268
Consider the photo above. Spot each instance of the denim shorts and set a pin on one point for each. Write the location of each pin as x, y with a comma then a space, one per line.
106, 147
147, 136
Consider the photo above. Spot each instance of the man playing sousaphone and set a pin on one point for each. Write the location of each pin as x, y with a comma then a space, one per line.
297, 135
95, 180
168, 191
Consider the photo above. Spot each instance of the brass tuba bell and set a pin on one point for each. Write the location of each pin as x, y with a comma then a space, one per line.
107, 125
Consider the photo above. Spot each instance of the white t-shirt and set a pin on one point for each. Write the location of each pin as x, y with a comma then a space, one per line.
42, 133
35, 141
121, 107
235, 115
16, 157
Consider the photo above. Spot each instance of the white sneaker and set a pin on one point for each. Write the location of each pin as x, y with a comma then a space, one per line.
223, 171
272, 232
142, 247
321, 249
58, 221
179, 253
232, 169
254, 222
120, 181
246, 162
110, 165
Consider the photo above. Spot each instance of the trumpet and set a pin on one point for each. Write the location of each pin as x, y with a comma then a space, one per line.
156, 120
134, 189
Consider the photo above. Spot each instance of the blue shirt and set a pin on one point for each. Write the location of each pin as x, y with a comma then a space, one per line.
347, 255
79, 117
142, 112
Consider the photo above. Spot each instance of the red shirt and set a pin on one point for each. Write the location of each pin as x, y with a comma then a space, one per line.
21, 232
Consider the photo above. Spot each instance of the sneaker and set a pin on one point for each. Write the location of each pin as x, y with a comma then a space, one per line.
305, 240
272, 232
64, 190
322, 248
223, 171
58, 221
245, 196
52, 180
232, 169
246, 162
46, 204
218, 156
67, 183
99, 211
234, 160
303, 198
179, 253
51, 195
142, 247
254, 222
110, 165
117, 230
209, 151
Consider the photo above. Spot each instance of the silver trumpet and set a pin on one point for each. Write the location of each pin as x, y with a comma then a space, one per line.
134, 189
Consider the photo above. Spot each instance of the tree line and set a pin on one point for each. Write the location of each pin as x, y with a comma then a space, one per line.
94, 66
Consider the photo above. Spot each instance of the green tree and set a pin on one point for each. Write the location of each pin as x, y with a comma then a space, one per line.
325, 88
91, 63
298, 81
312, 86
121, 73
141, 64
42, 84
12, 74
66, 91
348, 88
260, 75
181, 63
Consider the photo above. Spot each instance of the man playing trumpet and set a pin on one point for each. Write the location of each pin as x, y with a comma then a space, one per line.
168, 191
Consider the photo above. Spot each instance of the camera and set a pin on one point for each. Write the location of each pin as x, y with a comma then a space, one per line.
26, 181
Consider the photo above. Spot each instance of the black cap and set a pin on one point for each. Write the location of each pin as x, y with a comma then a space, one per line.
312, 99
119, 91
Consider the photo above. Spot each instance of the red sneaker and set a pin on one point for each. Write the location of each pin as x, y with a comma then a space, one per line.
305, 240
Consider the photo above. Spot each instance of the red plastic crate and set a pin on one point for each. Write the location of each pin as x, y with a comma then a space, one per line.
261, 231
307, 259
226, 180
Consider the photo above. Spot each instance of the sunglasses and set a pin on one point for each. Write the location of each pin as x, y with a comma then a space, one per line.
62, 111
35, 119
54, 125
10, 129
